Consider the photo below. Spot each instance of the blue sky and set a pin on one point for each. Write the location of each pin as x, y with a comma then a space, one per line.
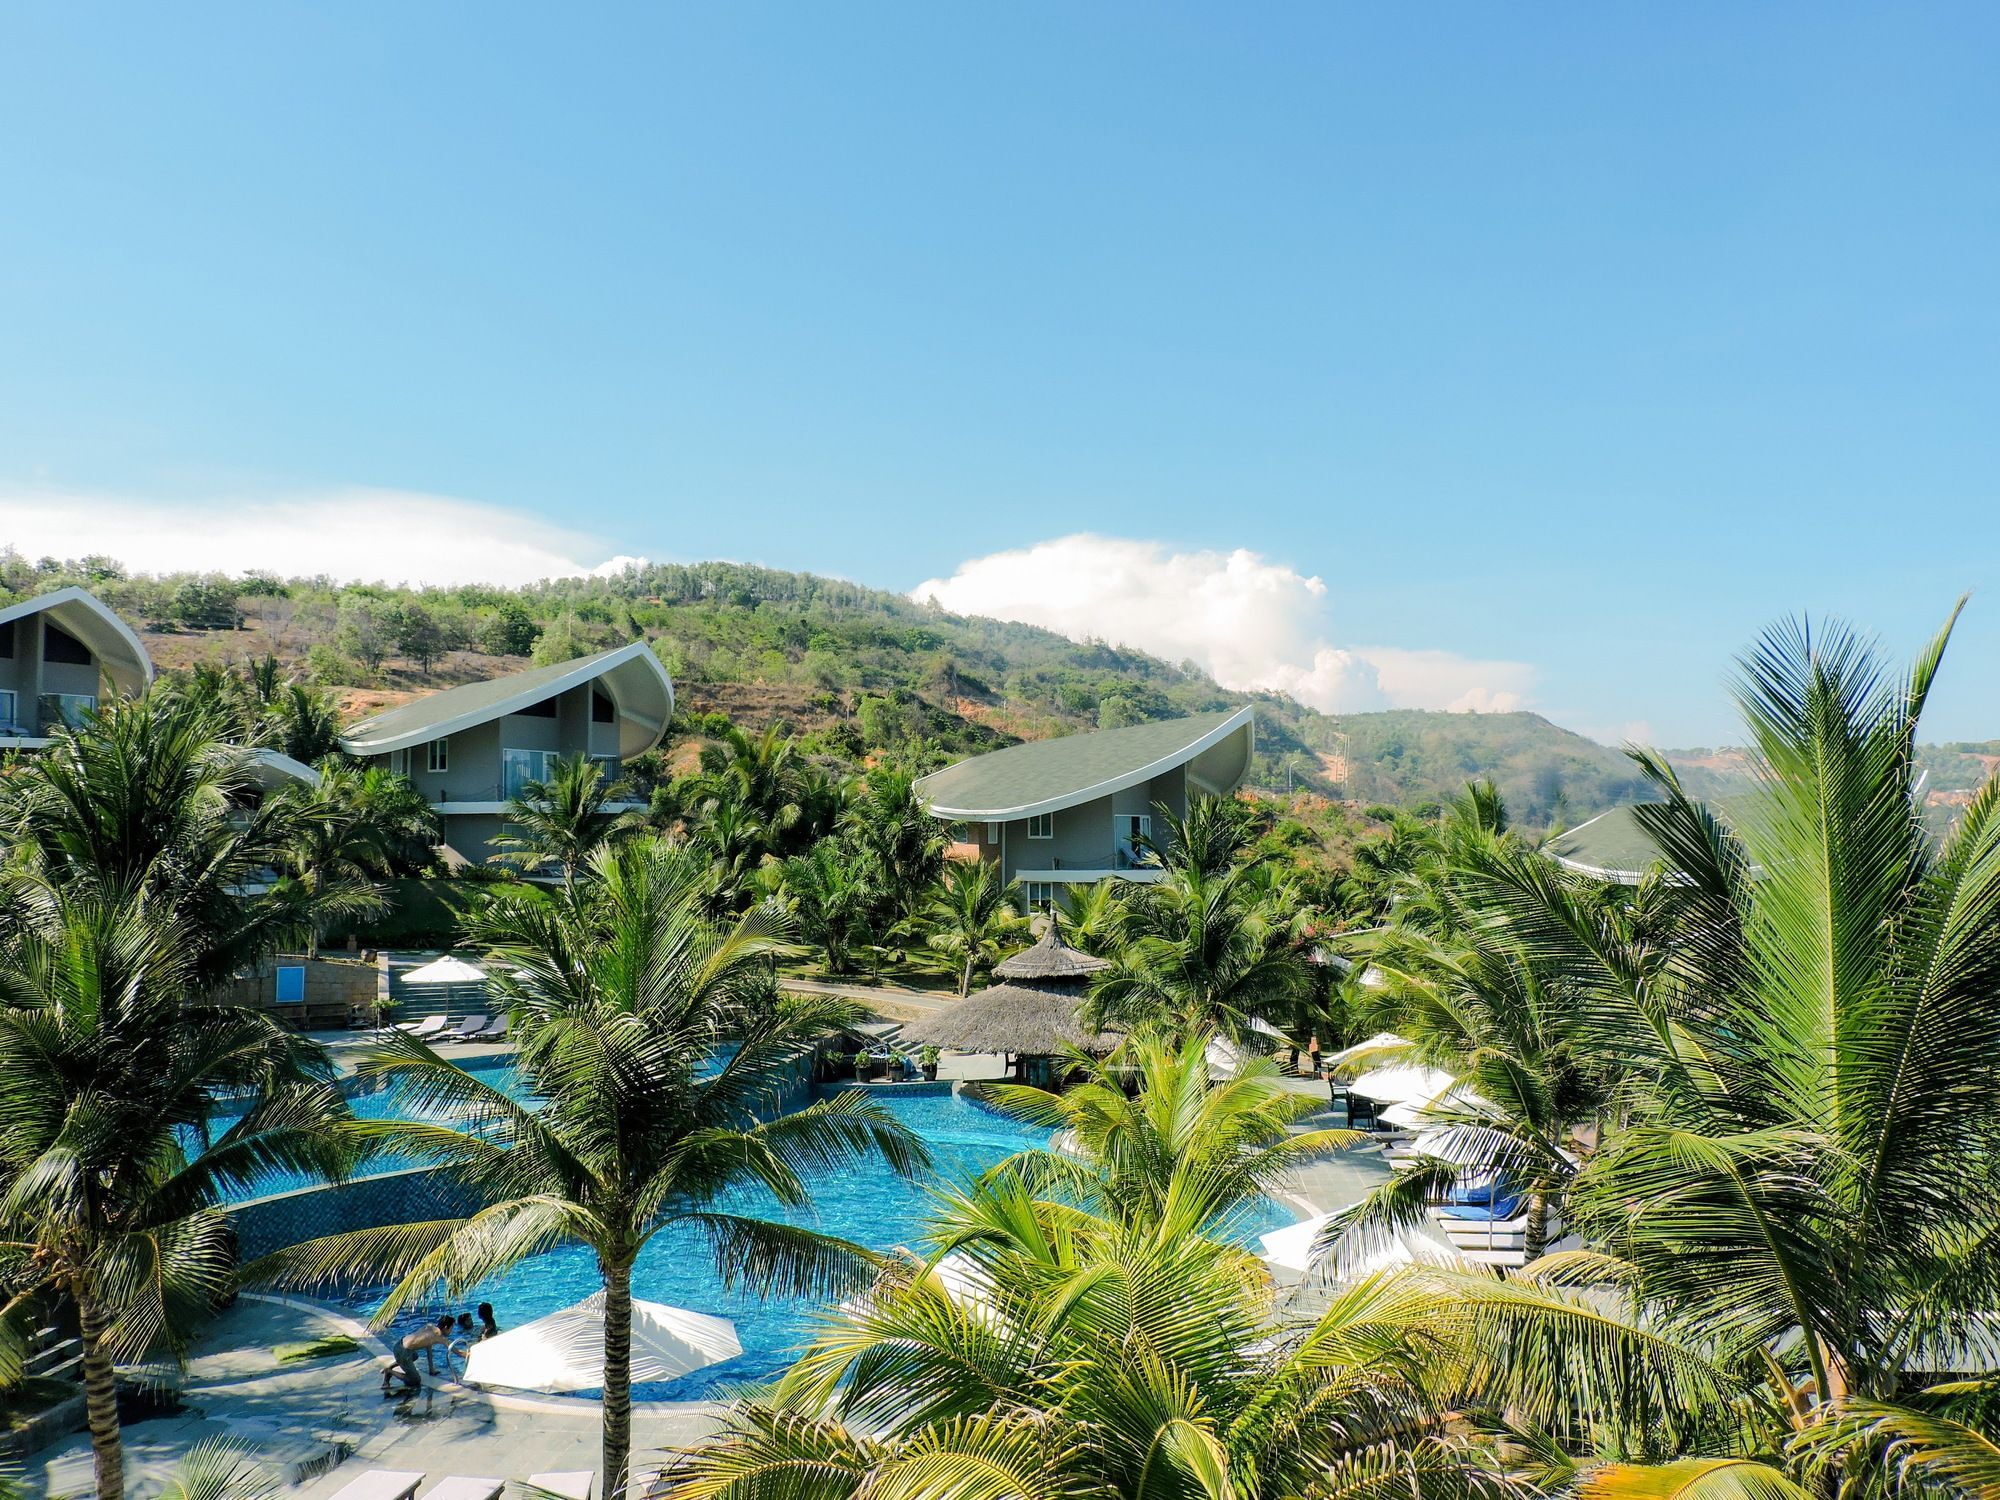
1566, 344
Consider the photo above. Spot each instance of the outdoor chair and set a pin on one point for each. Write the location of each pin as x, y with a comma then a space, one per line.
423, 1030
465, 1487
381, 1484
570, 1484
467, 1030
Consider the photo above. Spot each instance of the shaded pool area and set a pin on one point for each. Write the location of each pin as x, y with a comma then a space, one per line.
866, 1203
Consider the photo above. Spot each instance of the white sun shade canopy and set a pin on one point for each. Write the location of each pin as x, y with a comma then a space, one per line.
565, 1350
1382, 1041
450, 969
1291, 1249
1402, 1083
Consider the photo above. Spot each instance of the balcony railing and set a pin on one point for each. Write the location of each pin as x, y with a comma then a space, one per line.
1122, 857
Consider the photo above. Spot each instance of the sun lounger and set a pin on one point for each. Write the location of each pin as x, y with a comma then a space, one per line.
494, 1032
467, 1030
381, 1484
571, 1484
422, 1030
465, 1487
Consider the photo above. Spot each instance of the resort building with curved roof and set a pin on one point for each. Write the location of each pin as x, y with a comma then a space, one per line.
60, 653
469, 749
1079, 808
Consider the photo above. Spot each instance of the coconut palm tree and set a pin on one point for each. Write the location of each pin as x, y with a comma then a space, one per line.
1089, 915
112, 1068
1182, 1142
346, 829
832, 894
1199, 952
1076, 1354
905, 841
622, 990
564, 820
1806, 1194
968, 918
150, 801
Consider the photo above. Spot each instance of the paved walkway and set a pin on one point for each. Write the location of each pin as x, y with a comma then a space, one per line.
287, 1413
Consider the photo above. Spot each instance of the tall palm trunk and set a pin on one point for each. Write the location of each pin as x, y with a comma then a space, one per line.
100, 1394
965, 974
617, 1377
1535, 1240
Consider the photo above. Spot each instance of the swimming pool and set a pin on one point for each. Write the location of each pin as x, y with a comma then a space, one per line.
385, 1103
865, 1202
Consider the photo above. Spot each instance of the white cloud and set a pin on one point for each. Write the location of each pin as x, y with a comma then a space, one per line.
391, 536
1250, 622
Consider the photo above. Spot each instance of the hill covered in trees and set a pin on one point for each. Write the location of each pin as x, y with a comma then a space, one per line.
858, 671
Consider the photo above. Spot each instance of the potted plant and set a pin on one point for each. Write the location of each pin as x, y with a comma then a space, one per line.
929, 1058
902, 1068
861, 1061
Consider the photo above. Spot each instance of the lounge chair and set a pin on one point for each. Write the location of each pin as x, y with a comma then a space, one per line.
381, 1484
496, 1031
465, 1487
467, 1030
423, 1030
571, 1484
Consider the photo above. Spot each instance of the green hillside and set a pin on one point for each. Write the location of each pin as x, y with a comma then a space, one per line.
857, 670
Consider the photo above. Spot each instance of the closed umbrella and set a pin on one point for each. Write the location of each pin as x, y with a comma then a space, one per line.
565, 1350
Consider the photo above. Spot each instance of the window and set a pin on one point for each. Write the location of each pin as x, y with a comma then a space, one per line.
602, 709
1038, 893
519, 767
7, 639
59, 645
546, 709
437, 755
8, 723
1128, 830
992, 833
56, 710
1042, 826
291, 988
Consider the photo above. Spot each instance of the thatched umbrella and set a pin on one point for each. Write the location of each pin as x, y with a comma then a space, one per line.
1032, 1014
1009, 1018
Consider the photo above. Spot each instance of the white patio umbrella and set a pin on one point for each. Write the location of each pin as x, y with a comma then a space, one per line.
565, 1350
1376, 1043
450, 969
1402, 1083
1291, 1249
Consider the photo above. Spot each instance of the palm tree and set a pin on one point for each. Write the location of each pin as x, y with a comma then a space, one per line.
832, 896
564, 820
1077, 1354
1806, 1196
1214, 835
728, 833
111, 1069
347, 828
968, 917
1199, 952
303, 722
150, 801
1089, 914
1182, 1143
905, 841
622, 989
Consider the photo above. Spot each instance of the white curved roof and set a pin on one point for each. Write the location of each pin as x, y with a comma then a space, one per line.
96, 624
1048, 775
632, 676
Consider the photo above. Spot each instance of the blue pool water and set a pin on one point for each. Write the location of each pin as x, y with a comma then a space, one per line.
377, 1104
866, 1203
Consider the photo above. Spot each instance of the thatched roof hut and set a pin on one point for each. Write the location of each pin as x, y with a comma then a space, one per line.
1009, 1019
1050, 960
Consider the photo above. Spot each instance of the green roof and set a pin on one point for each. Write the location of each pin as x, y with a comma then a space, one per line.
1044, 775
632, 674
1611, 846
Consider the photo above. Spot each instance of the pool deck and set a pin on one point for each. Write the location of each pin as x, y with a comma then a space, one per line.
235, 1388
